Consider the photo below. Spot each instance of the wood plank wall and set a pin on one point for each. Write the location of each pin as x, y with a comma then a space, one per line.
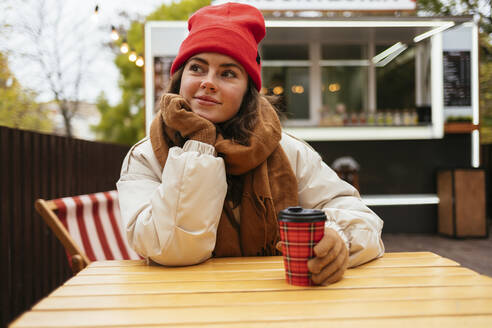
486, 163
33, 165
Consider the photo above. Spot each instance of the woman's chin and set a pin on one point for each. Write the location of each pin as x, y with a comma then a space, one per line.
206, 115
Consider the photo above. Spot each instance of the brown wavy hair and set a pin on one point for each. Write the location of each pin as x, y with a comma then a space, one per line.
240, 127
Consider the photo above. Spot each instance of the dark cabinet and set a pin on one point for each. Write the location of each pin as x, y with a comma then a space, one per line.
462, 200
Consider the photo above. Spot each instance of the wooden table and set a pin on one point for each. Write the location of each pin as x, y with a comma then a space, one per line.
399, 290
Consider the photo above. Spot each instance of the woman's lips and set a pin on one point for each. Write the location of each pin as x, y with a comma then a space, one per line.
207, 101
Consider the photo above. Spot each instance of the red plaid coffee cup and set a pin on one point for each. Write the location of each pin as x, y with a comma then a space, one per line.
300, 230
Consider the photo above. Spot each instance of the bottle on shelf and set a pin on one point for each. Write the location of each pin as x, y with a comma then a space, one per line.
414, 118
354, 120
379, 118
397, 118
362, 118
407, 119
388, 118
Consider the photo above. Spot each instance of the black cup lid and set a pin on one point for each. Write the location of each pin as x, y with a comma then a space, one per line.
299, 214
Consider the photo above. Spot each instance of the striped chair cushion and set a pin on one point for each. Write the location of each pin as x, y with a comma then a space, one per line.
94, 222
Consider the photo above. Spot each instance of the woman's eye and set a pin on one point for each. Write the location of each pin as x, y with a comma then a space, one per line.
195, 68
229, 73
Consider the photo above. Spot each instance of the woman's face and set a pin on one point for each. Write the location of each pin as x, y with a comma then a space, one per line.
214, 85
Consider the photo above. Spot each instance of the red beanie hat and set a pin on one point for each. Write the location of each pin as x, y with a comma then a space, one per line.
231, 29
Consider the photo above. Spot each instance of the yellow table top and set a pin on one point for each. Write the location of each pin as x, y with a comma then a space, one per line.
399, 290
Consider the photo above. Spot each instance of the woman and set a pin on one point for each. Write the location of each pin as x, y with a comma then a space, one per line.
217, 168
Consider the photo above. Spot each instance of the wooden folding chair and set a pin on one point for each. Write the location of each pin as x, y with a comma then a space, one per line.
88, 226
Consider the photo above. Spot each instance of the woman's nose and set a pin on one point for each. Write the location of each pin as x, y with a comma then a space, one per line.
208, 83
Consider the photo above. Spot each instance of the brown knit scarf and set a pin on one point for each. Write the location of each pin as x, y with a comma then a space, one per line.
269, 182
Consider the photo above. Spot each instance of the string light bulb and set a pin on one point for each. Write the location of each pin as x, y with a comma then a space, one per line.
297, 89
114, 34
334, 87
95, 15
133, 56
124, 47
278, 90
140, 61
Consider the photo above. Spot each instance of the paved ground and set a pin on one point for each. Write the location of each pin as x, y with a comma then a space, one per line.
475, 254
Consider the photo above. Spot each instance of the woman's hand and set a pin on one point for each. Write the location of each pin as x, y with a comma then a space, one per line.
331, 259
177, 115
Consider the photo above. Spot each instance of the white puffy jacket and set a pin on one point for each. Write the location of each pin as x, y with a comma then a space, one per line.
171, 215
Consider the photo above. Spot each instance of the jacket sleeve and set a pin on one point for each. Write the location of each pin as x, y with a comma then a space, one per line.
320, 187
171, 215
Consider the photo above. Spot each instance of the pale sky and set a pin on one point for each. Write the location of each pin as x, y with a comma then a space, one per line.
81, 33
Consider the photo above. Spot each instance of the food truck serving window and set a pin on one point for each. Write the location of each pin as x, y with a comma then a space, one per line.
361, 82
